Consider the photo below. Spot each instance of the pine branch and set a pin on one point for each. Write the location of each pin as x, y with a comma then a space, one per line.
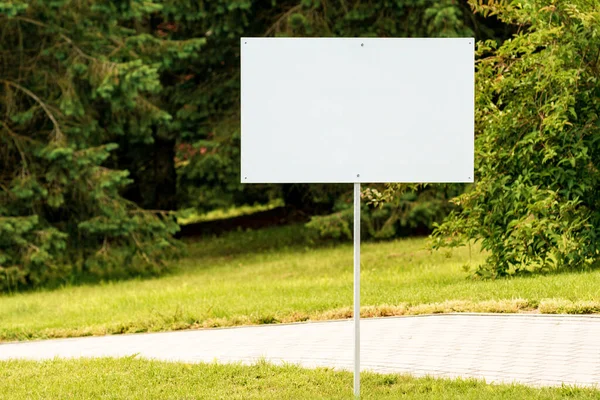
65, 38
16, 138
281, 18
58, 135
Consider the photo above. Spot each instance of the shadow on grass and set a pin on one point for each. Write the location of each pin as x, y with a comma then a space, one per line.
278, 238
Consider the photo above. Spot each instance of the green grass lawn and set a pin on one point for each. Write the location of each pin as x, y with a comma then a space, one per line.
276, 275
140, 379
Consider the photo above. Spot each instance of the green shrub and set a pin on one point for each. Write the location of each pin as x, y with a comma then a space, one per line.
535, 205
409, 210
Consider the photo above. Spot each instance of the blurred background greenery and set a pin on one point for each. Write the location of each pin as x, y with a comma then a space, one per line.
119, 130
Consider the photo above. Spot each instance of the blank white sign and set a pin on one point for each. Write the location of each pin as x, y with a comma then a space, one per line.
357, 110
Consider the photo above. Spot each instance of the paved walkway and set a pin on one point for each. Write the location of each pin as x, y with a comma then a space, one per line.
532, 349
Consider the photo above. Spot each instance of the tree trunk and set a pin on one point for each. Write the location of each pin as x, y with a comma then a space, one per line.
152, 168
165, 176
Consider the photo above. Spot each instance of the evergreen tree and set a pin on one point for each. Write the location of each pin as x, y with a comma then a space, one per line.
76, 78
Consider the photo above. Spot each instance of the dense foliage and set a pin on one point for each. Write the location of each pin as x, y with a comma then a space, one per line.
400, 210
77, 80
536, 204
208, 172
114, 113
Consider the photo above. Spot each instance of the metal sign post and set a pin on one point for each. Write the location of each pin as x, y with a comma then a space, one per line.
357, 289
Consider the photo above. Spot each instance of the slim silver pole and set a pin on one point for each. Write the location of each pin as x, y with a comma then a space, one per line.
357, 289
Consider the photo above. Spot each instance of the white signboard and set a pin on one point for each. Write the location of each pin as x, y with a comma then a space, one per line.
357, 110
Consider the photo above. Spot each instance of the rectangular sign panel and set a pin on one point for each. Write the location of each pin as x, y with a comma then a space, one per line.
357, 110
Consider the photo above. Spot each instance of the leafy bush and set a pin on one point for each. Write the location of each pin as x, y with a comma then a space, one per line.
408, 210
535, 205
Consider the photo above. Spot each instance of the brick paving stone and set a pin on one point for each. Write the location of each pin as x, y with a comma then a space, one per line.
530, 349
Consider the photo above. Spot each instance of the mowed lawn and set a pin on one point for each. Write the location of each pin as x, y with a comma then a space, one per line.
277, 275
140, 379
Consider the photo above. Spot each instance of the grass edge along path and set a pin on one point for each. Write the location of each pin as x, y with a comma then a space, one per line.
132, 378
548, 306
277, 275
